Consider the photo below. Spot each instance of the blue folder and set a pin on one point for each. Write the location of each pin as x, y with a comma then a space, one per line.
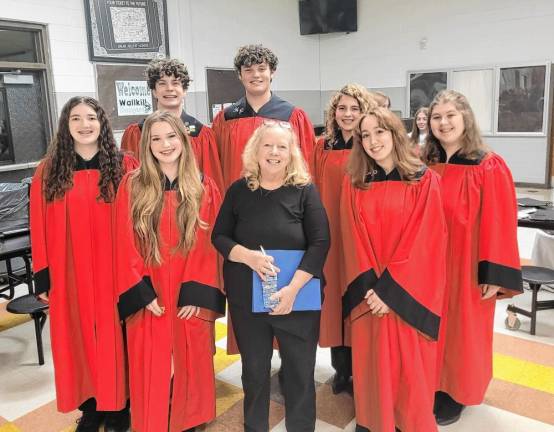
309, 296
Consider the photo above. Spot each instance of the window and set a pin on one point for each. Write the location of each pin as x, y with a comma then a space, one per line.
17, 46
25, 98
521, 99
505, 99
477, 87
423, 88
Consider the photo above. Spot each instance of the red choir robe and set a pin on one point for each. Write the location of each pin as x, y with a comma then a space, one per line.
481, 213
202, 141
394, 238
156, 345
329, 168
72, 248
236, 124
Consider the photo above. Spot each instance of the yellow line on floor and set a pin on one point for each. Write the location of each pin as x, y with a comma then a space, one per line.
524, 373
9, 427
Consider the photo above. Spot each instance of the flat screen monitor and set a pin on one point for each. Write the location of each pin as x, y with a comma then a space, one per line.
327, 16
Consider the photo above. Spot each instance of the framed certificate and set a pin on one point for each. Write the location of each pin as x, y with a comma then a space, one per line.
126, 31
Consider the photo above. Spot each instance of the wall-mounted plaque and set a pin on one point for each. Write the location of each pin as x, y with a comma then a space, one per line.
127, 31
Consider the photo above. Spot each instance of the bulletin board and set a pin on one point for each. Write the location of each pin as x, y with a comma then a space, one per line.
223, 88
123, 92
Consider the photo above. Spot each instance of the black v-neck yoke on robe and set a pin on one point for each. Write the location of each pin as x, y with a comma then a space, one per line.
457, 159
170, 185
339, 143
83, 164
193, 125
379, 175
276, 108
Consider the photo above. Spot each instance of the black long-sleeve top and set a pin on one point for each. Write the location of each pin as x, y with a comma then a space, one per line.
288, 218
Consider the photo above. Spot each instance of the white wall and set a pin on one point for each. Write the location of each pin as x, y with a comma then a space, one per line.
458, 33
210, 32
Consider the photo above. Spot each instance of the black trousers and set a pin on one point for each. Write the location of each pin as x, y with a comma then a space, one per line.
341, 360
254, 333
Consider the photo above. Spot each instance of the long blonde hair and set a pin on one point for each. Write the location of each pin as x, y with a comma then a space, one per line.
356, 91
296, 172
147, 192
359, 162
472, 146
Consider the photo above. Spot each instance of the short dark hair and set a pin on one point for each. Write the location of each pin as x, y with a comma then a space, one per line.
249, 55
167, 67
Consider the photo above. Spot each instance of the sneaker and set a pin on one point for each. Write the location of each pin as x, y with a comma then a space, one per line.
90, 421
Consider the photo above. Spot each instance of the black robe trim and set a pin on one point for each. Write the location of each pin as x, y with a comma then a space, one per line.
406, 307
339, 143
42, 281
379, 175
174, 185
457, 159
498, 274
276, 108
83, 164
170, 185
194, 126
136, 298
356, 291
205, 296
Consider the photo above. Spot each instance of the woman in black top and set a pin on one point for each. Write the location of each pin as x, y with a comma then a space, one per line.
274, 206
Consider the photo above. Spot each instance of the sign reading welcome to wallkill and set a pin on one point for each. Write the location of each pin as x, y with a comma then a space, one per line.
133, 98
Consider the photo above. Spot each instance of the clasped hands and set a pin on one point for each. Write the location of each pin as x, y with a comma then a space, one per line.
376, 305
185, 312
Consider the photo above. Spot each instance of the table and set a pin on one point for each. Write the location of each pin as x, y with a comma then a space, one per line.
542, 218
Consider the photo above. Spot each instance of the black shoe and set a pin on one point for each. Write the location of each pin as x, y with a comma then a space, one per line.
117, 421
90, 421
448, 411
340, 383
281, 377
440, 397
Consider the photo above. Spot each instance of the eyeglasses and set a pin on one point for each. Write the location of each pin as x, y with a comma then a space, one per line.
271, 122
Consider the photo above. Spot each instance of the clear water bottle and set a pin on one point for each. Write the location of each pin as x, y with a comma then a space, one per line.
269, 287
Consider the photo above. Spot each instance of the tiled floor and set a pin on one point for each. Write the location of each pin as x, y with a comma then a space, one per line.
520, 397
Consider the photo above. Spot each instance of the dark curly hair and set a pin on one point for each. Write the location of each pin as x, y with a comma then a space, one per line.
249, 55
61, 158
167, 67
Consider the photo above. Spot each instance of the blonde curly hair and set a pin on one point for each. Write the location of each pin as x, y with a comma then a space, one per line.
296, 172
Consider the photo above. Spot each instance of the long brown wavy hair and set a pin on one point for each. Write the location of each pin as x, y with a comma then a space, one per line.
147, 192
61, 157
358, 92
473, 145
359, 162
414, 134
